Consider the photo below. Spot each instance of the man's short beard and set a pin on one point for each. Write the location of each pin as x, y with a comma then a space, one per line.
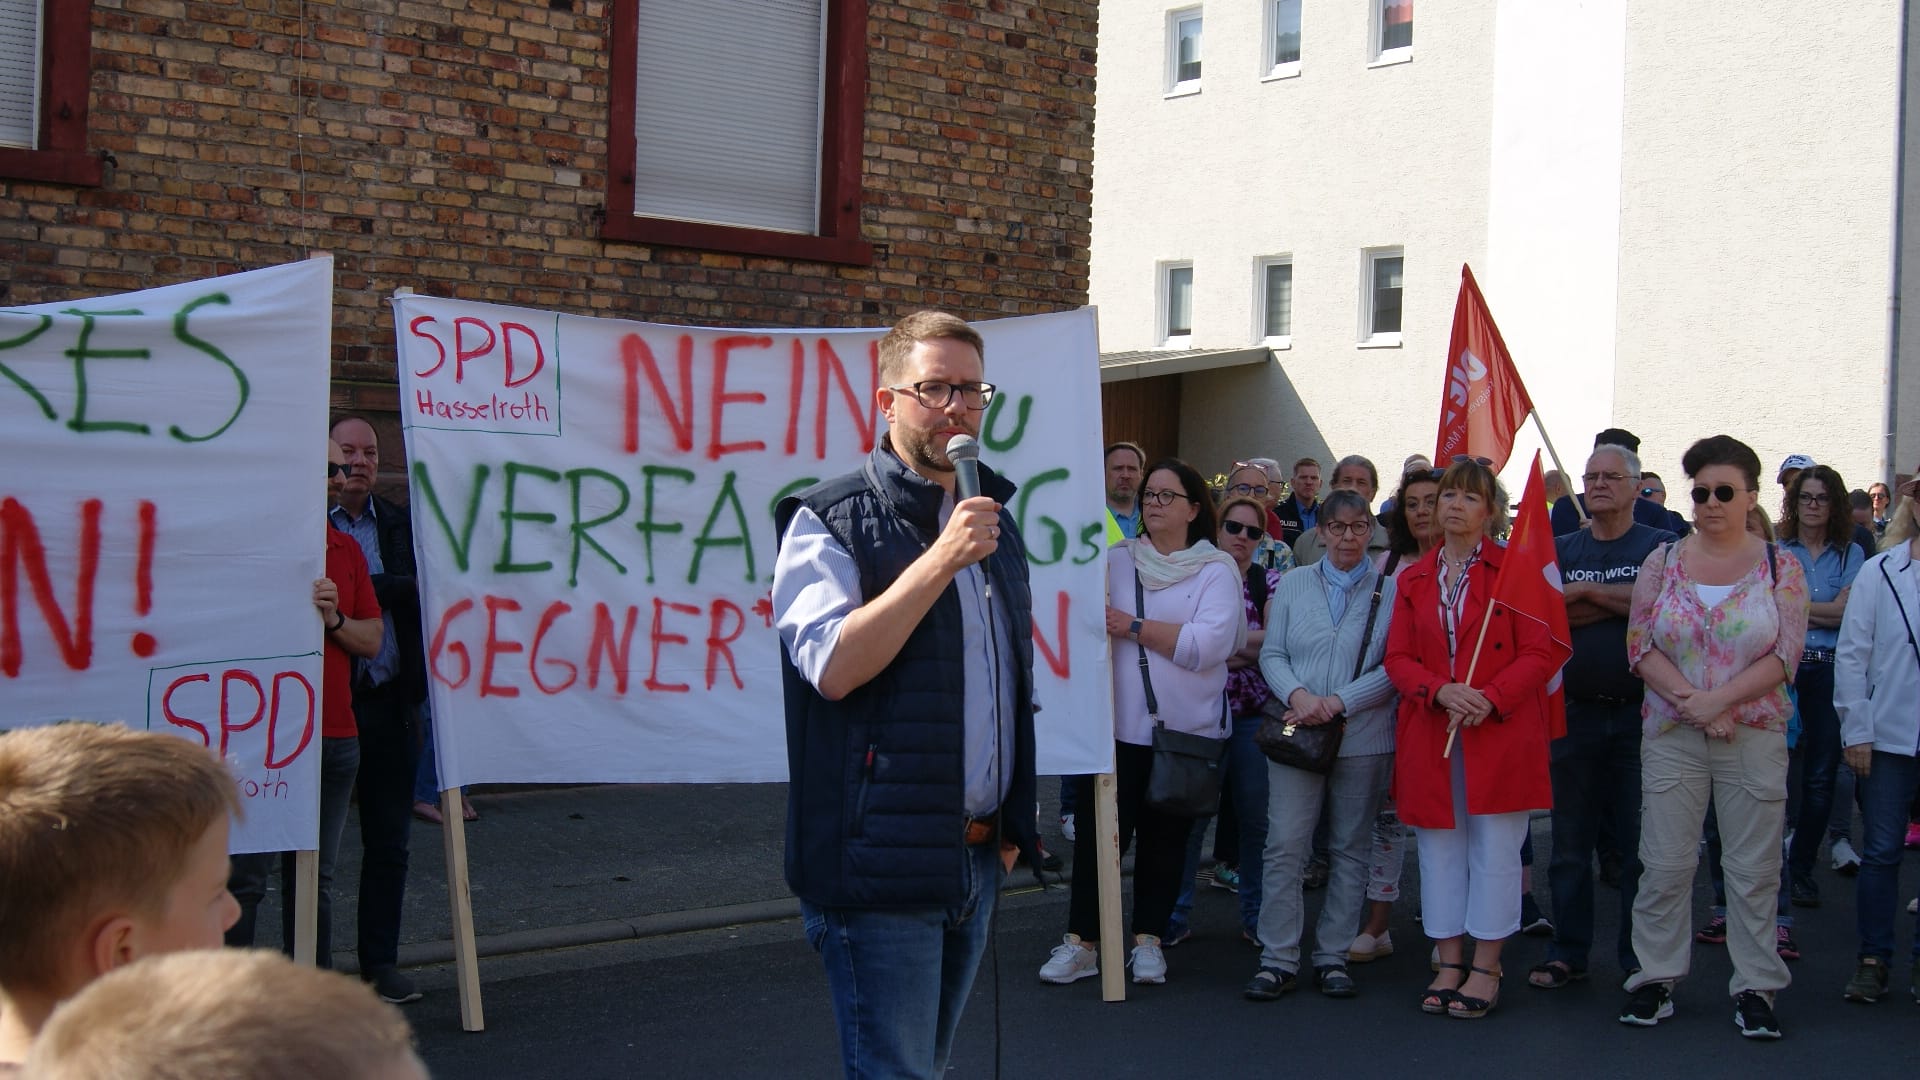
918, 449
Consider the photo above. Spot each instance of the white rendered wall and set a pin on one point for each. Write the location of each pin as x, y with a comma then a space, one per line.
1320, 166
1906, 454
1553, 216
1755, 238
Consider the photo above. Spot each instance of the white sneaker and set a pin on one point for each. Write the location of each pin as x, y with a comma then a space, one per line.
1072, 961
1845, 859
1066, 827
1367, 948
1149, 964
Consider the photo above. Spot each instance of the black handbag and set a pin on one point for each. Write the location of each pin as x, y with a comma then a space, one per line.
1184, 779
1313, 747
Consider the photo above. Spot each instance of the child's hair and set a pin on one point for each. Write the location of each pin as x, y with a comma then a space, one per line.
237, 1014
94, 817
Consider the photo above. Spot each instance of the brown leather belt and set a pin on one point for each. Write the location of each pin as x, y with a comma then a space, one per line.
981, 829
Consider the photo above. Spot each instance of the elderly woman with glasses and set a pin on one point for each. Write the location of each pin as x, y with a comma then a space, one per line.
1325, 642
1471, 743
1176, 614
1715, 630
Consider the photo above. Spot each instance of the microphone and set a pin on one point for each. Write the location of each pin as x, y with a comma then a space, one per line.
964, 452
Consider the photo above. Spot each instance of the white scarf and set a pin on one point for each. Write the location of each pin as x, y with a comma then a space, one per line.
1159, 571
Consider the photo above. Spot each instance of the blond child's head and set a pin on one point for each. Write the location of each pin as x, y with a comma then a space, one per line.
113, 846
231, 1013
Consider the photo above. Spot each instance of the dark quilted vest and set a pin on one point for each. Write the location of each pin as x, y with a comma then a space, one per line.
876, 795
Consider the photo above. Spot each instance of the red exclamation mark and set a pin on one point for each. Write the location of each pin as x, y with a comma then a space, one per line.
143, 642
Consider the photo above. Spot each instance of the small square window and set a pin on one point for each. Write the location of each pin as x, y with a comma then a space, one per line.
1176, 304
1383, 278
1392, 31
1273, 301
1283, 38
1183, 51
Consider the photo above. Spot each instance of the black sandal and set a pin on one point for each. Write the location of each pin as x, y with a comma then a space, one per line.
1435, 999
1472, 1008
1553, 975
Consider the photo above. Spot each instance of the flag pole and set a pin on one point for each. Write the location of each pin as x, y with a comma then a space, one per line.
1555, 455
1453, 728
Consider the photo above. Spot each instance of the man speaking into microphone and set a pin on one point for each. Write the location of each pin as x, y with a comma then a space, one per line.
900, 593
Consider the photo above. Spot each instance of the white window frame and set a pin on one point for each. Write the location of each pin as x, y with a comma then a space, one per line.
1163, 298
1376, 25
1368, 257
1176, 86
1269, 48
1260, 268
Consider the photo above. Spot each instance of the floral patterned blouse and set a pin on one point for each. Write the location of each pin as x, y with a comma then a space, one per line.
1246, 687
1712, 644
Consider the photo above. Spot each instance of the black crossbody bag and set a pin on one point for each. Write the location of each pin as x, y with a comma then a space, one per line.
1315, 747
1184, 779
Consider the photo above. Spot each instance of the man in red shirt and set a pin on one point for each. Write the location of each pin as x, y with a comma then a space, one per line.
350, 618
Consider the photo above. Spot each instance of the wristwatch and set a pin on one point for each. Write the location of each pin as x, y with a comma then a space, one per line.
1133, 629
339, 621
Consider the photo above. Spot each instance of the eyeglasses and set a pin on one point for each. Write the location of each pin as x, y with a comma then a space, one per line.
1724, 493
936, 395
1247, 489
334, 469
1163, 498
1235, 528
1462, 459
1346, 528
1808, 498
1593, 478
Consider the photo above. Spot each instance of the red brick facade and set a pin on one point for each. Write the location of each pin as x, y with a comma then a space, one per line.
460, 147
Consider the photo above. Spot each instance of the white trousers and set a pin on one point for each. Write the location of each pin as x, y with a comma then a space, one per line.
1470, 874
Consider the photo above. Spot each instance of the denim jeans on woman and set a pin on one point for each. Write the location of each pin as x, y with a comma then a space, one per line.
1888, 790
1244, 781
1819, 753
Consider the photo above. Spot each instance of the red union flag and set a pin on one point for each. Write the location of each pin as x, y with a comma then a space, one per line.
1484, 402
1529, 586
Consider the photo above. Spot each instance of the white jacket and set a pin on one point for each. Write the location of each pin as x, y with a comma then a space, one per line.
1876, 674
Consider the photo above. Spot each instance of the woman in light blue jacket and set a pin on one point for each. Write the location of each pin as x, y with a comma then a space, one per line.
1876, 691
1318, 633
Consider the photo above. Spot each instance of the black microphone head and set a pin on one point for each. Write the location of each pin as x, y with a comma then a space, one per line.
963, 448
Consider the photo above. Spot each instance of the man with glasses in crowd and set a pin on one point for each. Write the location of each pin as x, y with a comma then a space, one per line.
1646, 511
1356, 474
907, 624
1595, 766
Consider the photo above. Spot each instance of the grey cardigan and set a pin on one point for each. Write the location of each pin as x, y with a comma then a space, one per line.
1304, 649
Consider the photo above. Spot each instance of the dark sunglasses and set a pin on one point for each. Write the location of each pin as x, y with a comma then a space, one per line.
1462, 459
334, 470
1724, 493
1251, 532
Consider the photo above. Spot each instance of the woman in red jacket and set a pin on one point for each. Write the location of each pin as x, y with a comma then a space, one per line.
1469, 807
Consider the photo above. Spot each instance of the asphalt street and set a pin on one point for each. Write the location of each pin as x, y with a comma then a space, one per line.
683, 960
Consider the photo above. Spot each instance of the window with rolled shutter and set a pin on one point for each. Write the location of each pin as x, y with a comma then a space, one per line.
19, 73
728, 112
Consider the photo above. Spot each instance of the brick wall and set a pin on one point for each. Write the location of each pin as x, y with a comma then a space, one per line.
458, 147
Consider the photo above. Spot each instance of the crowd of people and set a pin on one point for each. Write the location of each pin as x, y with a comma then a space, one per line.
1725, 691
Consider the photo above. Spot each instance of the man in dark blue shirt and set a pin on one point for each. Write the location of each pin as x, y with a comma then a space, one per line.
1596, 765
1566, 516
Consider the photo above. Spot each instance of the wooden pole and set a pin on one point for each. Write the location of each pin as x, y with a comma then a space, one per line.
1106, 845
306, 906
1453, 729
1552, 453
466, 958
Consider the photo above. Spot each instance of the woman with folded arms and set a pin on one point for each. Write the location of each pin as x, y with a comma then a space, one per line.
1323, 624
1876, 686
1715, 630
1470, 746
1194, 619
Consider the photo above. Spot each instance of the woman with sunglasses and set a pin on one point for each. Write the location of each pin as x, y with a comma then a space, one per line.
1818, 531
1471, 740
1326, 625
1176, 602
1259, 479
1409, 519
1876, 683
1715, 630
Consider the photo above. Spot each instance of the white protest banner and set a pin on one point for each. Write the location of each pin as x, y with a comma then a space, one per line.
593, 501
161, 523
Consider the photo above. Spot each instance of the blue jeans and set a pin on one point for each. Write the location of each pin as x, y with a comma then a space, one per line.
339, 762
1819, 753
1888, 789
900, 976
1595, 768
1244, 780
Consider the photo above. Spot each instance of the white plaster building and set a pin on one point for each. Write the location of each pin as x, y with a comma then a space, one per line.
1685, 217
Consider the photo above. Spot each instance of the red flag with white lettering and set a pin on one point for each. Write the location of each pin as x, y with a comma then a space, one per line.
1484, 402
1529, 586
